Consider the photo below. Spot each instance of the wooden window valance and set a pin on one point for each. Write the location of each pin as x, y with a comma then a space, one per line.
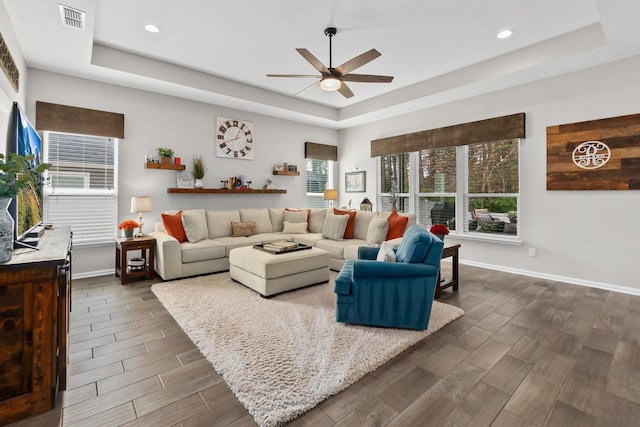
64, 118
317, 151
496, 129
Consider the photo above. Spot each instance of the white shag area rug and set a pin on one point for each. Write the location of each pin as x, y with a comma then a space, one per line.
282, 356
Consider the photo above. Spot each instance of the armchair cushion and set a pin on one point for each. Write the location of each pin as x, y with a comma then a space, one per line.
414, 245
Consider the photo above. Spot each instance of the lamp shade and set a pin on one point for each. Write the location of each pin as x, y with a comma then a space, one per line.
141, 204
330, 194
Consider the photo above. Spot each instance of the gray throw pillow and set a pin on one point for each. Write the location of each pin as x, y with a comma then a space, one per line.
334, 226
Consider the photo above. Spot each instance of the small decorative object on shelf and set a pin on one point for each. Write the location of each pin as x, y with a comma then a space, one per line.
185, 180
440, 230
270, 185
366, 205
198, 171
127, 226
165, 154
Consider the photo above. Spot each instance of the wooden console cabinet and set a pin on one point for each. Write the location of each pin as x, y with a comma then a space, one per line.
35, 299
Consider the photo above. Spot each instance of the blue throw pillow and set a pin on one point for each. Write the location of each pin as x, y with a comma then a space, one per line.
414, 245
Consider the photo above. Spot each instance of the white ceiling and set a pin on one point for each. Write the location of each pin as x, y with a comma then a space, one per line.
220, 51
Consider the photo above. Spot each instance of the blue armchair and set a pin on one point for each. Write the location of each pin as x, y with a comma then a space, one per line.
392, 294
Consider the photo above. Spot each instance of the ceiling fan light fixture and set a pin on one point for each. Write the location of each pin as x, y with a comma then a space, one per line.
330, 84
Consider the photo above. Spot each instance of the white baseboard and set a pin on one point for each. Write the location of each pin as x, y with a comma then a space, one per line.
111, 271
565, 279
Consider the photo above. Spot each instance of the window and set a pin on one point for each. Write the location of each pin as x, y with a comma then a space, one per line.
319, 174
81, 188
483, 179
393, 190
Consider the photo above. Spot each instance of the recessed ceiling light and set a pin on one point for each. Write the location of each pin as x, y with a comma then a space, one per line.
152, 28
504, 34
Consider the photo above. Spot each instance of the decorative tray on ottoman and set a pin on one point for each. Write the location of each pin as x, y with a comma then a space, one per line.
281, 247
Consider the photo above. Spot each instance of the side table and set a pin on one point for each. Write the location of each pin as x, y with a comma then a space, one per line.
450, 250
146, 246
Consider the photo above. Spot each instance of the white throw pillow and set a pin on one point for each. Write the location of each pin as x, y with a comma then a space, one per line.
195, 225
294, 227
295, 216
377, 231
334, 226
386, 253
361, 228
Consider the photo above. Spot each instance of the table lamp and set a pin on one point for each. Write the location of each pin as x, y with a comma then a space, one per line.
330, 194
140, 204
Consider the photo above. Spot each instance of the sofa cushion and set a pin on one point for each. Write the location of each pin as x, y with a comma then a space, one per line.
307, 212
260, 217
238, 242
174, 227
277, 218
377, 231
307, 239
316, 220
361, 227
294, 227
195, 225
219, 223
246, 228
397, 225
334, 226
202, 251
414, 245
337, 247
351, 224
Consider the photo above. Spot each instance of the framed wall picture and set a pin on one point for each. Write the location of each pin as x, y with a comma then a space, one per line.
355, 182
185, 180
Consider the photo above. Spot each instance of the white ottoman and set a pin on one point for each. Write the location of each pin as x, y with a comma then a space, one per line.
270, 274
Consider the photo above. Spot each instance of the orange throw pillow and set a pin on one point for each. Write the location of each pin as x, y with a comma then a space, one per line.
174, 227
397, 224
351, 223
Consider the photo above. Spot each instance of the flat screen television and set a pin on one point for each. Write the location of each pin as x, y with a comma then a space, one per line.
26, 207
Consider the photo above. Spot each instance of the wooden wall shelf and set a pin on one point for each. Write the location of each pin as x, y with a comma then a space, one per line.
287, 173
170, 166
222, 191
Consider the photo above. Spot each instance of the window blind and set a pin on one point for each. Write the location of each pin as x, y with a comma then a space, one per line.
81, 188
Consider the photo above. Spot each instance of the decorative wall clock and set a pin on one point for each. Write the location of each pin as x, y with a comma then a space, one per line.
234, 139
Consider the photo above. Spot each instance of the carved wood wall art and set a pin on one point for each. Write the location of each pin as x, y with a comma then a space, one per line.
594, 155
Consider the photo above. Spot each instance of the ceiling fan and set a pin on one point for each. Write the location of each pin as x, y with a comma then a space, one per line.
335, 78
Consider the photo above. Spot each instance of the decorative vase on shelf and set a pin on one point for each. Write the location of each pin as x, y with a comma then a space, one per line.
199, 183
128, 232
6, 230
165, 160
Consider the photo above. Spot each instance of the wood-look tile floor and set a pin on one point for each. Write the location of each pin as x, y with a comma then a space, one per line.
528, 352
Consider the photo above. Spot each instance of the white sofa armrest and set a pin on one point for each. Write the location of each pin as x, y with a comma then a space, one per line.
168, 256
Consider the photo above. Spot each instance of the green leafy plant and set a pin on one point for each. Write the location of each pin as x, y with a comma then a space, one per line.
198, 167
165, 152
17, 172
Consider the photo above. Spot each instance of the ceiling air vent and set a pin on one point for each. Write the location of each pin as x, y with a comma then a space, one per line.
71, 17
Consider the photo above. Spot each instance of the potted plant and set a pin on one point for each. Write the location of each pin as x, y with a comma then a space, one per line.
440, 230
17, 172
165, 154
198, 171
127, 226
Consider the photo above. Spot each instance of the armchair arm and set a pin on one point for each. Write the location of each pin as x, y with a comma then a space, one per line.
375, 269
368, 252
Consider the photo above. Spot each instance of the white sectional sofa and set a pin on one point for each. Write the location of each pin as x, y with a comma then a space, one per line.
211, 236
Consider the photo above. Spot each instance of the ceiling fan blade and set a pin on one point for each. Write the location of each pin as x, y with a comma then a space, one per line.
306, 76
345, 91
357, 62
313, 60
308, 88
366, 78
